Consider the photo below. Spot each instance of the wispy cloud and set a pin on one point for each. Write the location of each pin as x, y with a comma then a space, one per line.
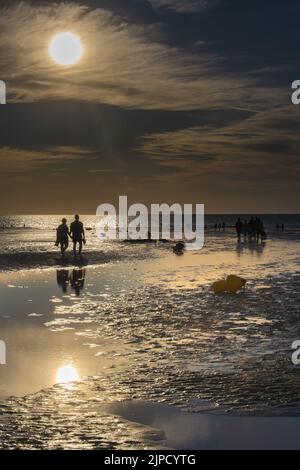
16, 162
124, 64
259, 148
185, 6
240, 139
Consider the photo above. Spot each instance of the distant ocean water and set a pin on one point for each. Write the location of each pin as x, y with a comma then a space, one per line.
51, 221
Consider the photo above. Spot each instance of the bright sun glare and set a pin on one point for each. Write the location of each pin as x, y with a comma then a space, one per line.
66, 48
67, 374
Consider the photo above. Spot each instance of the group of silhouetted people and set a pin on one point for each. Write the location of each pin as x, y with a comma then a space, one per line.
76, 233
278, 227
219, 227
252, 229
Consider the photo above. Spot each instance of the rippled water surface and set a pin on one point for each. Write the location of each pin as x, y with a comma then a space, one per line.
142, 326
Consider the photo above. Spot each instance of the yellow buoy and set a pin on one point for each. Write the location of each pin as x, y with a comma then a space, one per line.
231, 284
234, 283
219, 286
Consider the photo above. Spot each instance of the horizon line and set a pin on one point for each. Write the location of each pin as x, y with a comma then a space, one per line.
95, 215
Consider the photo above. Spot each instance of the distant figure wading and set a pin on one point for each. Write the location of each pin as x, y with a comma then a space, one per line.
252, 229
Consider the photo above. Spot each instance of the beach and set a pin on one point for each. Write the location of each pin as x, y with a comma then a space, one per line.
161, 361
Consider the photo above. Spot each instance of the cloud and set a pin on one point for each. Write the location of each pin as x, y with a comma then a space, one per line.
125, 65
204, 129
243, 166
185, 6
22, 163
258, 150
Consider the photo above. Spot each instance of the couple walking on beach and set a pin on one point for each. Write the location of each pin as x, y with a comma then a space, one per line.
76, 233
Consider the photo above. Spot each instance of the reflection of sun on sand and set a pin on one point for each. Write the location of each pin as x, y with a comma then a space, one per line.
199, 269
192, 270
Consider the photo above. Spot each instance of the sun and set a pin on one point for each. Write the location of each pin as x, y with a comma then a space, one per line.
66, 48
67, 374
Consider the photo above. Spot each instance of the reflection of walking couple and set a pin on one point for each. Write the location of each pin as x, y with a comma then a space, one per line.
75, 278
76, 233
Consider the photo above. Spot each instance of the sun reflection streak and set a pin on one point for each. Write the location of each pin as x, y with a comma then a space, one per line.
67, 374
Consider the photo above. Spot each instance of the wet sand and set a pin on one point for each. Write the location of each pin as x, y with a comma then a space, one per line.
154, 347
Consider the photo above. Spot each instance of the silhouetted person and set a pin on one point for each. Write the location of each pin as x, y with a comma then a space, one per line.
259, 229
77, 235
277, 227
245, 229
282, 227
62, 277
219, 227
77, 279
62, 233
223, 226
239, 228
251, 228
216, 227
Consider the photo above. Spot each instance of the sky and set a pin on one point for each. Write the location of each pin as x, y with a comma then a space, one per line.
183, 101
